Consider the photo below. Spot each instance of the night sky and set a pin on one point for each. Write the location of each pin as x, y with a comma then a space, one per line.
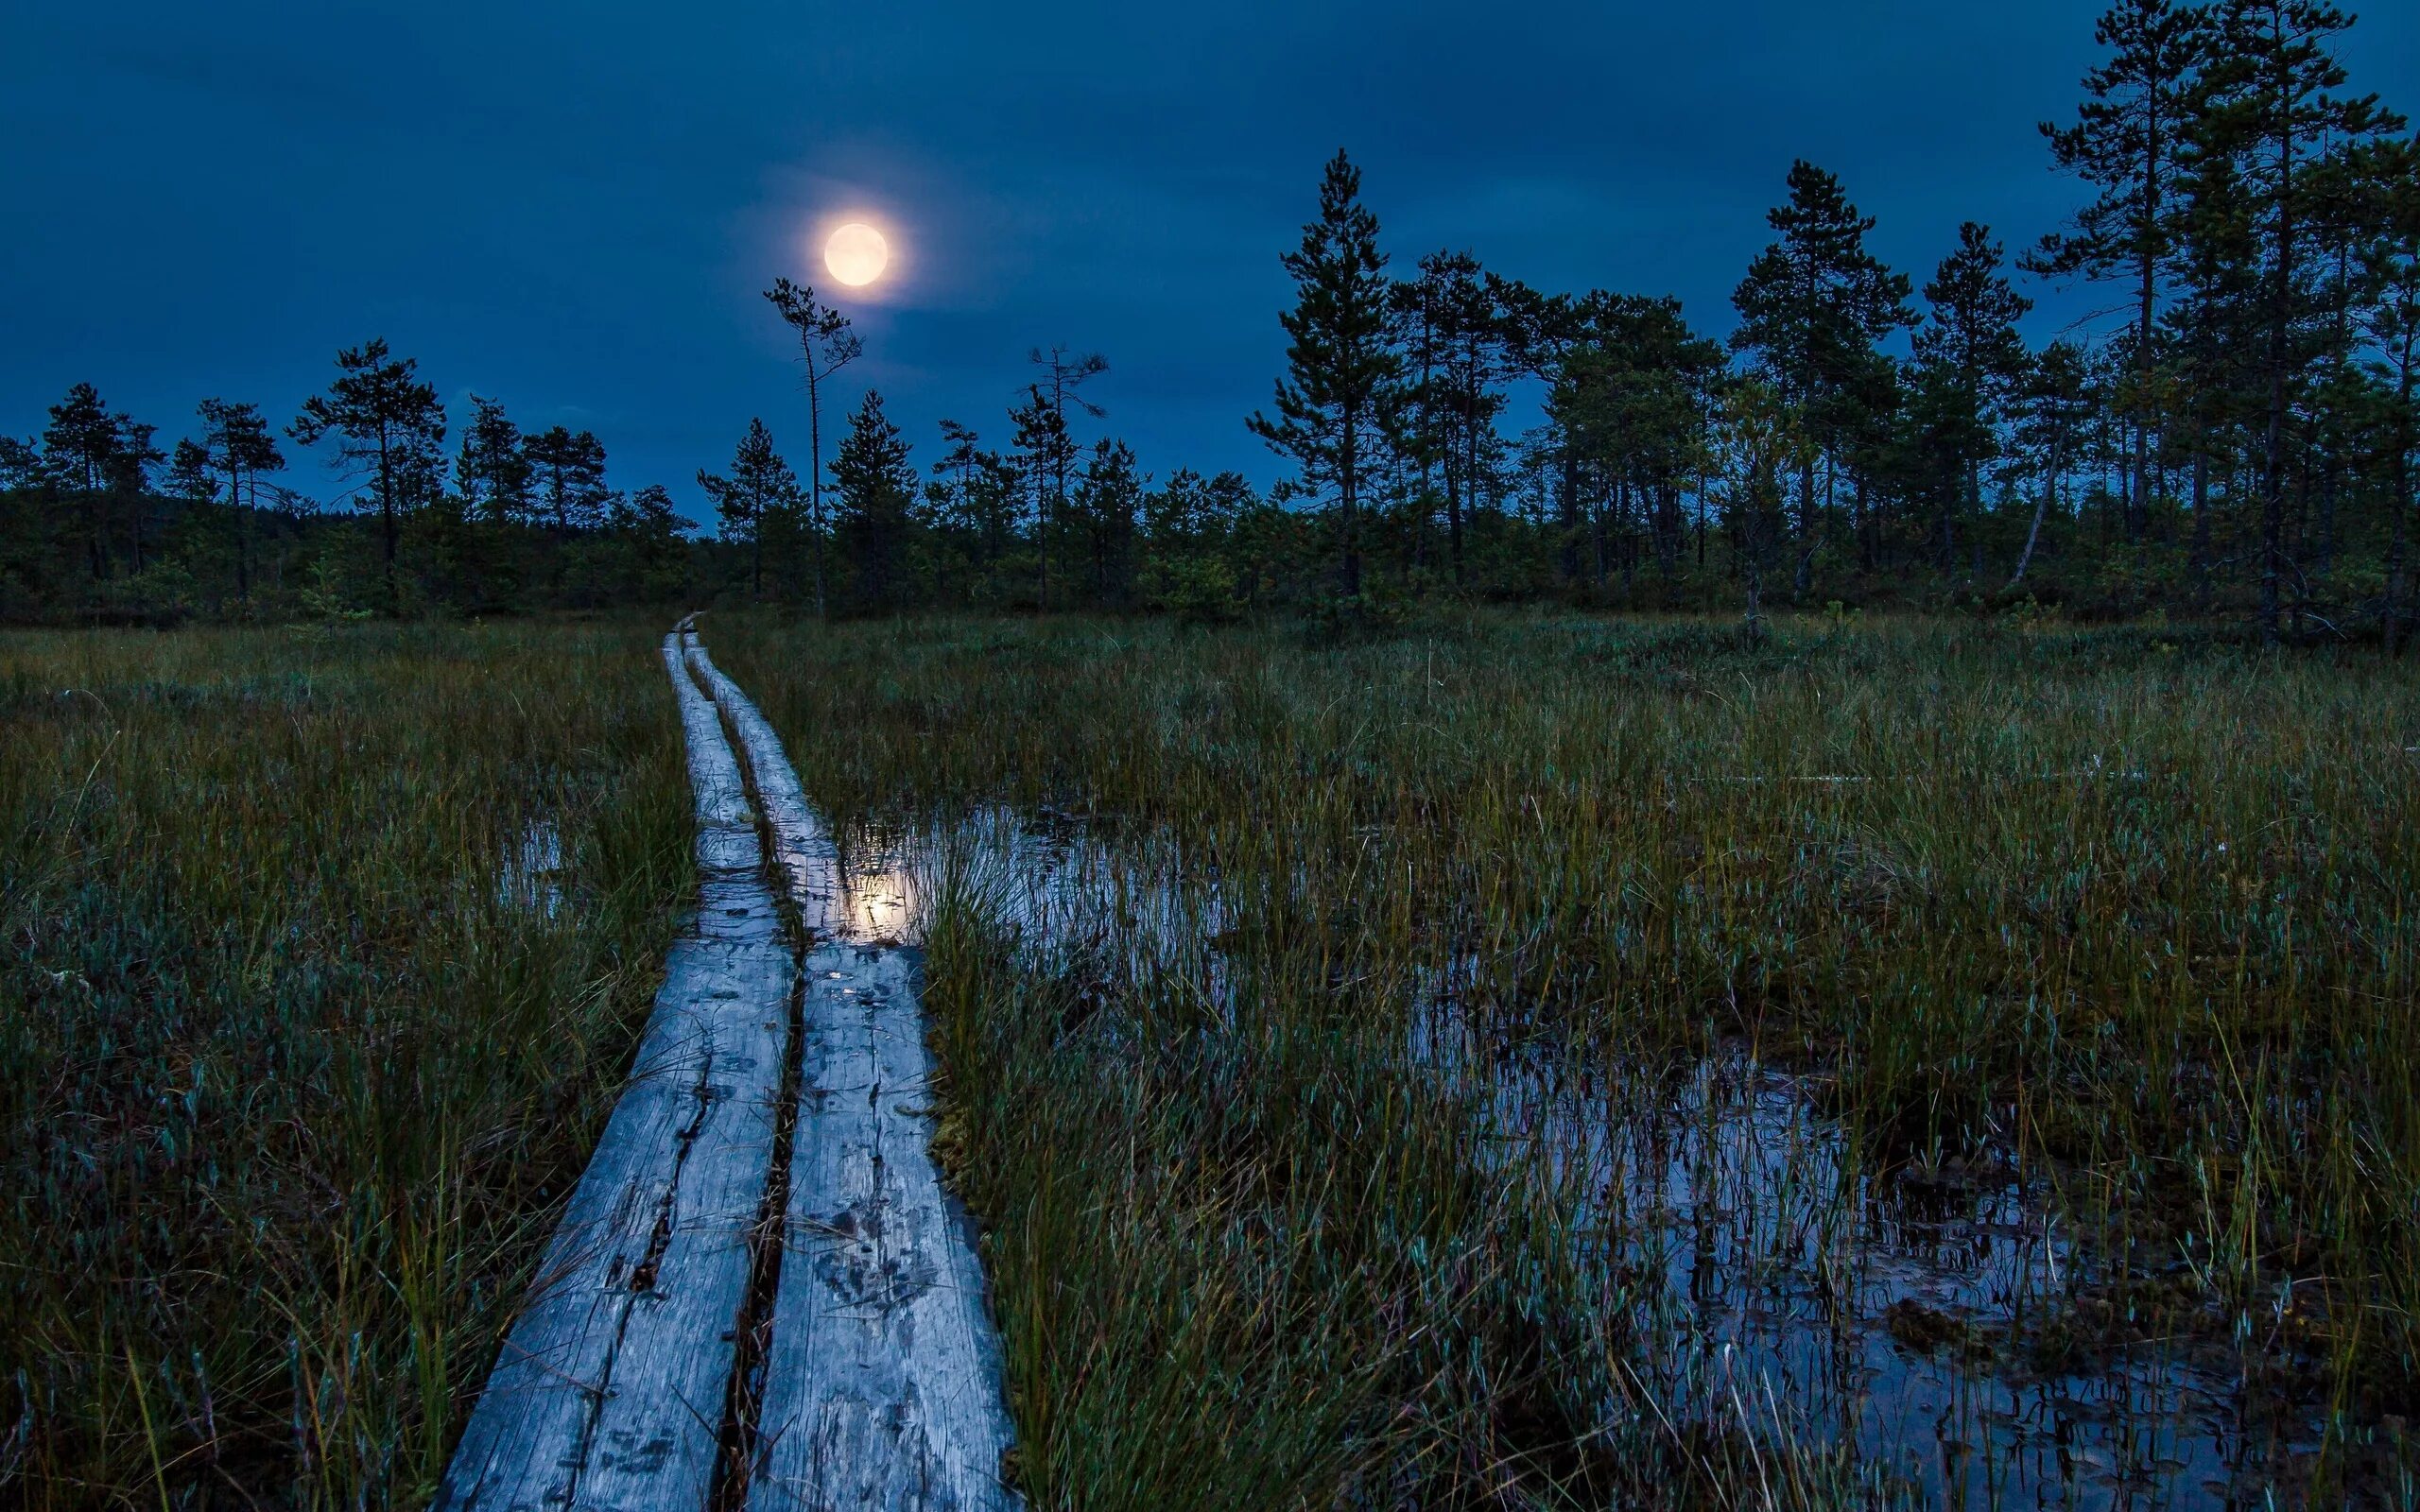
573, 208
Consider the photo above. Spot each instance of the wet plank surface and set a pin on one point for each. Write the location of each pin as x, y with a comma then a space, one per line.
882, 1389
803, 846
610, 1389
881, 1385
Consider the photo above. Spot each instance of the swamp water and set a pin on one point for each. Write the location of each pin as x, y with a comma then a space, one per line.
1888, 1328
531, 877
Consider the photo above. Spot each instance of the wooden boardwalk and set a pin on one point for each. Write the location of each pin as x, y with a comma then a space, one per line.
868, 1370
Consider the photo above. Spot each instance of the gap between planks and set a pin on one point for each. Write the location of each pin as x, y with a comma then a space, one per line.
877, 1379
610, 1389
882, 1376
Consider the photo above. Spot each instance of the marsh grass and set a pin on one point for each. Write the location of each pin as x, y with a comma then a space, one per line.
2129, 910
295, 1065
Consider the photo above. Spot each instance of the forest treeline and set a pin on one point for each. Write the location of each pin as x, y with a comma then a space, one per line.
2233, 437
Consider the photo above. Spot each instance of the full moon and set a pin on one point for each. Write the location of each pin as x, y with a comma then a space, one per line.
856, 254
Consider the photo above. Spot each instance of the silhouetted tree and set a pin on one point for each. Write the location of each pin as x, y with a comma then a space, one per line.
189, 479
753, 499
1972, 345
958, 483
1812, 306
1062, 373
2128, 142
493, 472
1631, 392
2271, 122
388, 425
2054, 405
88, 455
1111, 492
825, 345
239, 447
1044, 449
1333, 406
566, 469
646, 528
1464, 355
874, 488
2391, 322
1758, 437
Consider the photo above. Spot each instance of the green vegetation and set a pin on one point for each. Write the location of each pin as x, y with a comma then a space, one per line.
2128, 911
306, 1037
1949, 799
324, 952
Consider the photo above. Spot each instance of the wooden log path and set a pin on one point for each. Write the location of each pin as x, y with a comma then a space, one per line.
759, 1295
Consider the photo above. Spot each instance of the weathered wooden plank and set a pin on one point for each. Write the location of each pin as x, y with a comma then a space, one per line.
882, 1389
802, 845
659, 1428
610, 1389
882, 1382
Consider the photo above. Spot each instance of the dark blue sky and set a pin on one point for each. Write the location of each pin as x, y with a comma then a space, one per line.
572, 207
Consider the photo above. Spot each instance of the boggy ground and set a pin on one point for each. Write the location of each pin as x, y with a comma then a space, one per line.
1524, 1061
1579, 1060
321, 956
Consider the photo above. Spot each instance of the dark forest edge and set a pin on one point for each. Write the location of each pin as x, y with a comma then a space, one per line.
2236, 445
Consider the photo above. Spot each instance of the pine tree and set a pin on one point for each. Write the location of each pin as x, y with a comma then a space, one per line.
492, 472
2128, 142
81, 449
240, 448
1107, 499
1812, 307
1758, 437
1464, 352
20, 466
1043, 450
388, 425
101, 462
1631, 392
130, 480
2210, 332
754, 499
567, 470
874, 489
648, 525
1971, 340
189, 476
2270, 113
1334, 404
2390, 318
1418, 433
1062, 373
825, 345
2055, 403
27, 562
957, 477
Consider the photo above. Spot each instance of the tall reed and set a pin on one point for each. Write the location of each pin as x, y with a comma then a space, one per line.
305, 1027
2130, 907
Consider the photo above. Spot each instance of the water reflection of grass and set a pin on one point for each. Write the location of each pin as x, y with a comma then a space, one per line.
301, 1041
2133, 919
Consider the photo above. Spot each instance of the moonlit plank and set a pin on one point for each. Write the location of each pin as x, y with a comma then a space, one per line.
882, 1389
802, 845
882, 1380
610, 1389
